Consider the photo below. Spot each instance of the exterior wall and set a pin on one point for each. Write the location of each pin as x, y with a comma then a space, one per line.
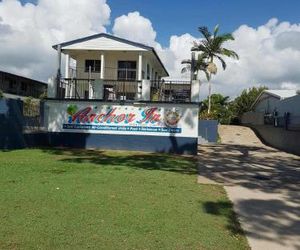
111, 59
291, 105
208, 131
150, 127
267, 104
17, 85
254, 118
280, 138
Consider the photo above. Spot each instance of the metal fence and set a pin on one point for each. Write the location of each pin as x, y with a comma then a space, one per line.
86, 89
172, 91
161, 90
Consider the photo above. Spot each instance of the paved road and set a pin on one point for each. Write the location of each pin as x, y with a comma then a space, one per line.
262, 182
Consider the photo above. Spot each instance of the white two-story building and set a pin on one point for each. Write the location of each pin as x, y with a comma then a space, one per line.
103, 66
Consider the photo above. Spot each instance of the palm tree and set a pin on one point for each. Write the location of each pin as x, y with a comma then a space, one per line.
194, 66
212, 48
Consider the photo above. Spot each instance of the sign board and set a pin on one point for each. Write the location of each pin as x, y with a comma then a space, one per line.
136, 119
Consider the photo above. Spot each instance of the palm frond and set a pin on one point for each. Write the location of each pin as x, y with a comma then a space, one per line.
222, 62
216, 30
186, 61
229, 53
205, 32
186, 69
227, 37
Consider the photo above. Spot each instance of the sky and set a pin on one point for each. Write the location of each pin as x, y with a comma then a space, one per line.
267, 35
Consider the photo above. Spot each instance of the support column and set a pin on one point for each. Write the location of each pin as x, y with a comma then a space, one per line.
140, 69
195, 91
67, 66
67, 75
102, 71
58, 73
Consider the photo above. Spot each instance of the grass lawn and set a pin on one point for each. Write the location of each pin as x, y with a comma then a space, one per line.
77, 199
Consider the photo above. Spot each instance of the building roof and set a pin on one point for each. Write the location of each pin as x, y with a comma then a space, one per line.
281, 93
277, 93
22, 77
118, 39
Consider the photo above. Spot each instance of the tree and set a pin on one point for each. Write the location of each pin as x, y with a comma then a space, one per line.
220, 109
212, 48
199, 65
243, 103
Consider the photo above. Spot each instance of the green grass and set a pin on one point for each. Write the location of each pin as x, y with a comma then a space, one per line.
76, 199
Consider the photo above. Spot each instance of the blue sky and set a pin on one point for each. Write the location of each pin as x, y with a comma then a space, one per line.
269, 55
178, 17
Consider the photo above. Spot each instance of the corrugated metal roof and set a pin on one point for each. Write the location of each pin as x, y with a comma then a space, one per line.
281, 93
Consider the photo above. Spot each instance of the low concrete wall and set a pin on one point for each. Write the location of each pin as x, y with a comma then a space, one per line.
207, 131
280, 138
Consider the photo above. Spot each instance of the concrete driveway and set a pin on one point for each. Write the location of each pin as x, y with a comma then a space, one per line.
262, 182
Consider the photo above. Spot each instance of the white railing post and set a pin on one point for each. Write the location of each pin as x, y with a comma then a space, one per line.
102, 73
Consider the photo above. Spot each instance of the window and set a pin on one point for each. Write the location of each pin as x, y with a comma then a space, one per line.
94, 65
126, 70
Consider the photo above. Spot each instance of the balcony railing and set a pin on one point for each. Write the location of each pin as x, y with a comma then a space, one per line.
87, 89
123, 90
171, 91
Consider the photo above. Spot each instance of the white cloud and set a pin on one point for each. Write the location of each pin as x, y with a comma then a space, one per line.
28, 31
269, 54
135, 27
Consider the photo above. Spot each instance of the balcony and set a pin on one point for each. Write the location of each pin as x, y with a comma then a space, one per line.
123, 90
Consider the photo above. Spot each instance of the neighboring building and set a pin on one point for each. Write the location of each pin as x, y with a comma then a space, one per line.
269, 100
21, 86
118, 65
272, 107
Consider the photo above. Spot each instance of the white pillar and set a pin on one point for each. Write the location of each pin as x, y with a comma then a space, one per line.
146, 90
140, 67
67, 66
51, 88
102, 74
58, 73
195, 91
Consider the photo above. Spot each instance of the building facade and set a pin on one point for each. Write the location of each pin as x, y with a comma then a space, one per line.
21, 86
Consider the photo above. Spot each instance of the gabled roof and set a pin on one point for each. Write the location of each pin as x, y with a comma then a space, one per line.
277, 93
118, 39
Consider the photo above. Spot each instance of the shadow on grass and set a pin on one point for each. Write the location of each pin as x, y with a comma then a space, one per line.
225, 209
135, 160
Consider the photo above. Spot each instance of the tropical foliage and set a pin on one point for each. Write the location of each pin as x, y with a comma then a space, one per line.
220, 109
211, 48
229, 112
243, 103
198, 65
